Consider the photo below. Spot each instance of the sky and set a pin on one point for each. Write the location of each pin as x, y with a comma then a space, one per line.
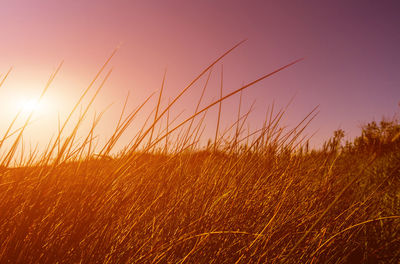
350, 68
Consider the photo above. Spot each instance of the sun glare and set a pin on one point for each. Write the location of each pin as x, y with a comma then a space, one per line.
29, 105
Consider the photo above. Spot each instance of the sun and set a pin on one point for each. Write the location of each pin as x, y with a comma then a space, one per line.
31, 105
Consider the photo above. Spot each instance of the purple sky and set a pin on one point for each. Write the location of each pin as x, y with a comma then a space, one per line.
351, 51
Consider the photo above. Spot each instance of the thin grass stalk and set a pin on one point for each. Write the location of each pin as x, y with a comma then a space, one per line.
70, 139
229, 95
351, 227
78, 103
219, 109
167, 129
121, 128
237, 122
158, 105
5, 77
185, 90
200, 100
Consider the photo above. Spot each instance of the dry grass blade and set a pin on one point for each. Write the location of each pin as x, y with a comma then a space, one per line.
5, 77
219, 109
185, 90
229, 95
158, 105
78, 103
351, 227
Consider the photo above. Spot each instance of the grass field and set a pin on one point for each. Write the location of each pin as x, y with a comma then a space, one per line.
262, 197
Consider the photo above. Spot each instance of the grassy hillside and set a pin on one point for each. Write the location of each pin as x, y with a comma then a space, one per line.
258, 205
256, 198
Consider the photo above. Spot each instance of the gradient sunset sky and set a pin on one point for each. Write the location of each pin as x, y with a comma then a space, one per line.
351, 50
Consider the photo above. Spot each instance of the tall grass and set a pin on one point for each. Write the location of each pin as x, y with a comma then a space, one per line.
255, 197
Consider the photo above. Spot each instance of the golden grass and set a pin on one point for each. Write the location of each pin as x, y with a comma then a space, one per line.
263, 197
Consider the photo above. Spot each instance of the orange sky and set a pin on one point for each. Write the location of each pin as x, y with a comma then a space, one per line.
350, 70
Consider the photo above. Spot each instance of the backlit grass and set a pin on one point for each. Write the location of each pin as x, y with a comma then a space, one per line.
248, 197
